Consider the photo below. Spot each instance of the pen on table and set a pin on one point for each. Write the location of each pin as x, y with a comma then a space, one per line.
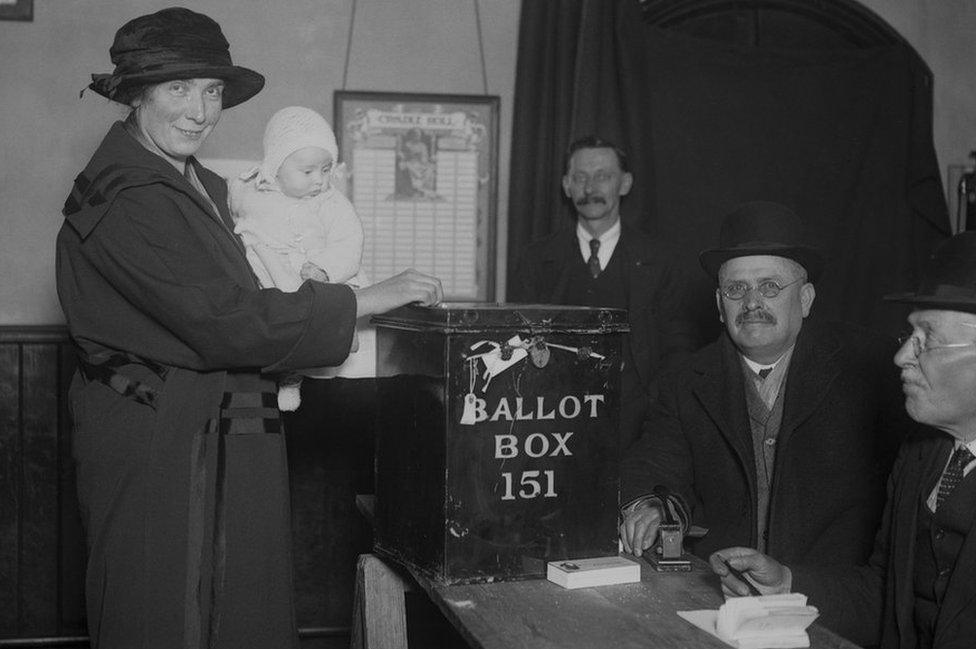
741, 577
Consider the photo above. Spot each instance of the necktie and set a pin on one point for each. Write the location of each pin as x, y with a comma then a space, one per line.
953, 474
764, 372
594, 261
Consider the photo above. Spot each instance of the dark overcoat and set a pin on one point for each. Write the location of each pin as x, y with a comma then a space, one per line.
880, 594
842, 421
182, 478
661, 331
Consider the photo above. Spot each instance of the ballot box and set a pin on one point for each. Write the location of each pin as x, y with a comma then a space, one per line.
496, 439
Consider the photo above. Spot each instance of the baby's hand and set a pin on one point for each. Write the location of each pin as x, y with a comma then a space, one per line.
314, 273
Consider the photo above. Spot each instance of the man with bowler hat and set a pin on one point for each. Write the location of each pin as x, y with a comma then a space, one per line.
778, 435
918, 587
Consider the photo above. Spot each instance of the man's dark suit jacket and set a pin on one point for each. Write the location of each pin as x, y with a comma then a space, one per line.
660, 330
856, 603
842, 420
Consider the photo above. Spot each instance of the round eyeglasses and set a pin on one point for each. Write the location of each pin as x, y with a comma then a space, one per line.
919, 348
767, 288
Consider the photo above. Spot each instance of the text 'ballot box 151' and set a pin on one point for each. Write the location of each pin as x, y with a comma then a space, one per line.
497, 442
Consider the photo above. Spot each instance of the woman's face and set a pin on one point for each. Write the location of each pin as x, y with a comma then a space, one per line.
177, 116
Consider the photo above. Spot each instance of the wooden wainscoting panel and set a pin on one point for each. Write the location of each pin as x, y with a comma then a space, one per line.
42, 547
39, 515
9, 489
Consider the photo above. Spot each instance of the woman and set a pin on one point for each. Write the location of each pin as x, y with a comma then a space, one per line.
182, 476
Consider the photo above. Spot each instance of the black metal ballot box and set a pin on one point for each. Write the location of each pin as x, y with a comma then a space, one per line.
497, 441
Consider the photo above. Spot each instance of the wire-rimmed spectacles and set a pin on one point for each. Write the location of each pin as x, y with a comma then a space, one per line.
919, 347
767, 288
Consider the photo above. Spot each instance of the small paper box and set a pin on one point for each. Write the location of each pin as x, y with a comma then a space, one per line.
596, 571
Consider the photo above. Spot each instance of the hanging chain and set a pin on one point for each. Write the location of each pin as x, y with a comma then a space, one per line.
481, 48
352, 24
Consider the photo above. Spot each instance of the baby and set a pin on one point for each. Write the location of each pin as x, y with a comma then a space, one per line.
296, 226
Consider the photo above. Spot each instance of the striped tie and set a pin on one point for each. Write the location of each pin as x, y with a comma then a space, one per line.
953, 474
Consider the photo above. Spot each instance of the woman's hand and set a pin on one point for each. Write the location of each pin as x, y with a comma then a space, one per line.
409, 287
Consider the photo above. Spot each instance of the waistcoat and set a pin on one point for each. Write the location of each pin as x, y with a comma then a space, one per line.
939, 537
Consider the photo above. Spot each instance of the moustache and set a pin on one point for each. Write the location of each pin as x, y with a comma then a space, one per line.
591, 200
755, 316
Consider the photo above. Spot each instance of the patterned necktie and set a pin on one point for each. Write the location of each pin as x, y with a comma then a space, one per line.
764, 372
594, 261
953, 474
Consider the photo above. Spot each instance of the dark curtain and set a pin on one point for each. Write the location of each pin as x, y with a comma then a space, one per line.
842, 136
544, 87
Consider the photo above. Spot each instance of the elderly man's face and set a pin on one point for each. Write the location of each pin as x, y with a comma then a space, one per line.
763, 328
940, 379
595, 182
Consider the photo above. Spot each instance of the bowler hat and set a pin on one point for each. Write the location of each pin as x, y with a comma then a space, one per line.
174, 43
762, 228
948, 277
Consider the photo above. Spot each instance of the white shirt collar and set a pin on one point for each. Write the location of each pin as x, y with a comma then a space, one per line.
934, 495
755, 367
970, 445
608, 242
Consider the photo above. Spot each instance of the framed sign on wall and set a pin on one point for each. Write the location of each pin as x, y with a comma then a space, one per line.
423, 173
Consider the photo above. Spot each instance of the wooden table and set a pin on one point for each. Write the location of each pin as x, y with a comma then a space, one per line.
537, 614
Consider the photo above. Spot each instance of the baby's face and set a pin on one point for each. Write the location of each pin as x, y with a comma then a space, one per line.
306, 172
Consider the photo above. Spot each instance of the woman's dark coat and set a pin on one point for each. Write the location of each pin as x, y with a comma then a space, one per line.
182, 477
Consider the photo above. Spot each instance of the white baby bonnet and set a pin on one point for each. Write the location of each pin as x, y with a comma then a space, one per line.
289, 130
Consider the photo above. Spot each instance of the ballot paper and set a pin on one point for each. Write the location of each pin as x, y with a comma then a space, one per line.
766, 622
596, 571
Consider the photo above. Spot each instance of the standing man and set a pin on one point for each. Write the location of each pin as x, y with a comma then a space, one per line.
779, 435
603, 263
918, 588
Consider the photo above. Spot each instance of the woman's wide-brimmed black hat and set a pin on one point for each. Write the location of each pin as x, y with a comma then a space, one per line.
762, 228
948, 277
174, 43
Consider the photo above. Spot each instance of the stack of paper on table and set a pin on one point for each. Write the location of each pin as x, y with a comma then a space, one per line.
767, 622
596, 571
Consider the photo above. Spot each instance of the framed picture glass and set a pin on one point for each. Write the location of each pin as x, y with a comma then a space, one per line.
423, 174
17, 10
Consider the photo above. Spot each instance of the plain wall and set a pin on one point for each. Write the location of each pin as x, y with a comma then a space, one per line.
47, 132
